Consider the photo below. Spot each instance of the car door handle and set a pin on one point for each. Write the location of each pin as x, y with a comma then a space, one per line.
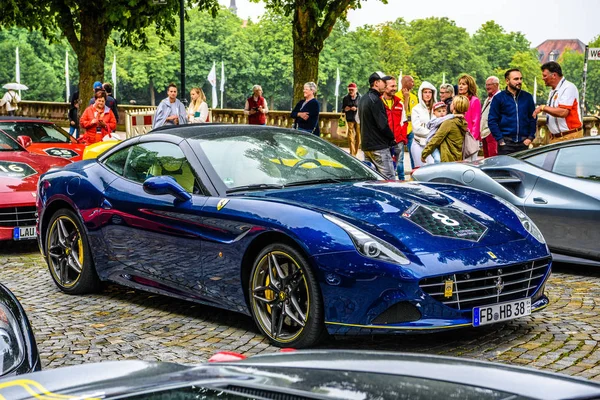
539, 200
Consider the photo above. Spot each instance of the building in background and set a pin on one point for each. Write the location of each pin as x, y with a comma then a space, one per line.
552, 49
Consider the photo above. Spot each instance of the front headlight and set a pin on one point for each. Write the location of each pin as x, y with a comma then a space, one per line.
11, 342
525, 220
370, 246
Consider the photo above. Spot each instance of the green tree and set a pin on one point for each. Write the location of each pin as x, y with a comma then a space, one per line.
36, 65
497, 46
313, 21
439, 46
87, 25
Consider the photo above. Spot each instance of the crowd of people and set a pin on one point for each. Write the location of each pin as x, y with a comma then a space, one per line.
386, 121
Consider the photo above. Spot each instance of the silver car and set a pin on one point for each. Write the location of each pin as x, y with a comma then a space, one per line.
558, 187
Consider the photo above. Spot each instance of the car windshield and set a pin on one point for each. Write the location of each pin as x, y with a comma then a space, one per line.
7, 144
38, 132
271, 158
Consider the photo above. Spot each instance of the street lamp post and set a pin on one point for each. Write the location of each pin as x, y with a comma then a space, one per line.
182, 49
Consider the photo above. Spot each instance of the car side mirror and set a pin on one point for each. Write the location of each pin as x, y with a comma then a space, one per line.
159, 185
24, 140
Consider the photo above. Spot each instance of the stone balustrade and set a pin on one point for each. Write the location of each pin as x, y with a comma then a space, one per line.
58, 112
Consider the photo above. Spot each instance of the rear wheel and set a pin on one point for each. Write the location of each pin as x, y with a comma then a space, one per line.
68, 254
285, 298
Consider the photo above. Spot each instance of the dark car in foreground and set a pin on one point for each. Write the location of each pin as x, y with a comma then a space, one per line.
557, 186
302, 375
291, 230
18, 350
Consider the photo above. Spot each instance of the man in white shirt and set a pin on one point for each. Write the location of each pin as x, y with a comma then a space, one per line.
562, 109
490, 146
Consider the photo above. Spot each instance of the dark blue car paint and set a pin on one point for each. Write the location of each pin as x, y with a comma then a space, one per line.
194, 250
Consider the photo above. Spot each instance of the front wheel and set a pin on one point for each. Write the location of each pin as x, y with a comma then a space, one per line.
285, 298
68, 254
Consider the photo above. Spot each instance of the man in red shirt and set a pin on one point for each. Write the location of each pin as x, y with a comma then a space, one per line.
397, 122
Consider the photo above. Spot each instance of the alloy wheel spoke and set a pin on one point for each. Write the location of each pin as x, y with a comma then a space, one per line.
272, 279
55, 251
74, 263
64, 271
278, 268
289, 313
62, 232
298, 309
276, 320
263, 299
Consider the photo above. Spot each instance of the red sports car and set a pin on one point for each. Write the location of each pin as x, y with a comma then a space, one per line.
42, 137
19, 174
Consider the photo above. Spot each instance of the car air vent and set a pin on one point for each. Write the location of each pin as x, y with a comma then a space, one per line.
18, 216
256, 393
487, 286
506, 179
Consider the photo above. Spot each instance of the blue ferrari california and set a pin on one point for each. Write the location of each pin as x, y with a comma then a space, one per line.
291, 230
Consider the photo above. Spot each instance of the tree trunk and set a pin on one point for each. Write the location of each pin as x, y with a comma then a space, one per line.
152, 95
91, 52
324, 104
272, 102
308, 44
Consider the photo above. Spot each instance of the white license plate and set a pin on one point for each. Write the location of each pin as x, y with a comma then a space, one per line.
501, 312
24, 233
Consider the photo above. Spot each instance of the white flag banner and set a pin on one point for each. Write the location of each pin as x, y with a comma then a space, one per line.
17, 69
535, 90
67, 82
113, 72
337, 83
212, 78
443, 78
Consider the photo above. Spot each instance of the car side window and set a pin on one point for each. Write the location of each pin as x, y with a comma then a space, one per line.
116, 162
544, 160
146, 160
578, 162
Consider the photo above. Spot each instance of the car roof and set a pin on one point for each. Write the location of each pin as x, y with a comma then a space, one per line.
189, 131
25, 119
558, 145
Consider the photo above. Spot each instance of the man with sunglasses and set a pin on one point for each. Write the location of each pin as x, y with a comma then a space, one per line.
562, 109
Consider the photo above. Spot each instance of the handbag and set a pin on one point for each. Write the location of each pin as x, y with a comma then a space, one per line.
470, 145
342, 128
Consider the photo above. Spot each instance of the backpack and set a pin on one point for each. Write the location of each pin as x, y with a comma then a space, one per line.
13, 101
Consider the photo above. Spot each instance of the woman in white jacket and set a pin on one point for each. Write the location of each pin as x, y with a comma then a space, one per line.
421, 114
198, 109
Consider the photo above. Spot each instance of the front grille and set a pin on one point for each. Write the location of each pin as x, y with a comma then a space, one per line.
18, 216
487, 286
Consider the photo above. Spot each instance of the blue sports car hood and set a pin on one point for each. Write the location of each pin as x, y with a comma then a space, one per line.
413, 214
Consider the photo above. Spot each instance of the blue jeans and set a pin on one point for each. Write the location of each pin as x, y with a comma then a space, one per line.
74, 132
399, 151
409, 144
382, 160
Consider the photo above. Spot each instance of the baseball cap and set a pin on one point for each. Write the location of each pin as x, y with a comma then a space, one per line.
376, 76
97, 85
439, 104
352, 85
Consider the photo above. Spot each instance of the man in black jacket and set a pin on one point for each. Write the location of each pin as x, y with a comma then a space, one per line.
376, 135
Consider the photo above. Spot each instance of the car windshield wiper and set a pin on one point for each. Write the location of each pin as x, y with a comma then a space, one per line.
325, 180
258, 186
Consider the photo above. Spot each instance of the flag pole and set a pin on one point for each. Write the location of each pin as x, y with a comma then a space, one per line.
68, 92
337, 89
222, 82
113, 72
18, 69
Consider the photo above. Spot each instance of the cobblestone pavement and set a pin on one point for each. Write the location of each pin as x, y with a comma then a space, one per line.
122, 324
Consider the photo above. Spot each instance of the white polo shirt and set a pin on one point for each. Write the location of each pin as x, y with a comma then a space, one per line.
564, 96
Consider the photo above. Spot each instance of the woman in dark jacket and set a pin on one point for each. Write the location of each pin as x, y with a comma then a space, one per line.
306, 112
74, 118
